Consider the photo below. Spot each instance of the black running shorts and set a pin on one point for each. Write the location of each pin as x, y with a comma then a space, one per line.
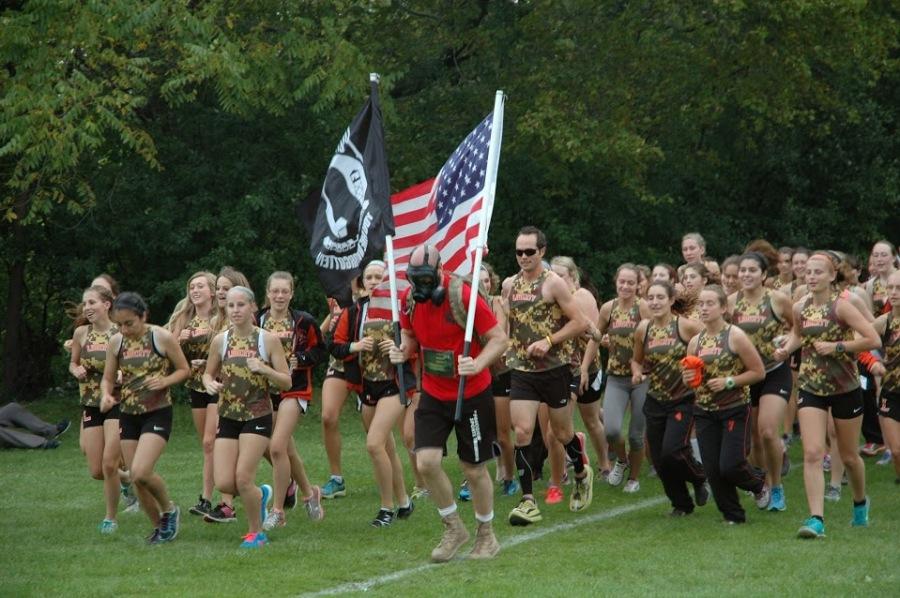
199, 399
889, 405
475, 434
92, 416
777, 382
848, 405
159, 422
550, 386
233, 428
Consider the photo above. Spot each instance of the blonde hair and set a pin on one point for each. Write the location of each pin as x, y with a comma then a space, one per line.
277, 275
185, 310
237, 279
570, 266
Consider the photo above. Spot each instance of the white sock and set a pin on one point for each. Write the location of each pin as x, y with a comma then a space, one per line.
447, 511
484, 518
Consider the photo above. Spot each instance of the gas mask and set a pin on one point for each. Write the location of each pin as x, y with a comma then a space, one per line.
425, 281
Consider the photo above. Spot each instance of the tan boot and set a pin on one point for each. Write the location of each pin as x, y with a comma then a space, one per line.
455, 535
486, 544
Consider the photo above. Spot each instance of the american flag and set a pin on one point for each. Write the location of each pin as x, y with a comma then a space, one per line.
445, 211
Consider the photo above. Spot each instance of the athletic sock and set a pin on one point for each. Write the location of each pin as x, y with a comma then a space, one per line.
573, 449
524, 469
819, 517
448, 511
859, 503
484, 518
338, 478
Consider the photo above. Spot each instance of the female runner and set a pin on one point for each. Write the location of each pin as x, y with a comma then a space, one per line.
824, 326
660, 344
145, 355
722, 412
247, 361
99, 431
302, 342
888, 327
694, 278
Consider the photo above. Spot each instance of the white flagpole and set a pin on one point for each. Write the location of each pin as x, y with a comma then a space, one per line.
490, 188
395, 311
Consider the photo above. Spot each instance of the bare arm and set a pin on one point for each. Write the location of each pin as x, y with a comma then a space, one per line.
110, 373
213, 364
637, 355
75, 367
172, 349
278, 373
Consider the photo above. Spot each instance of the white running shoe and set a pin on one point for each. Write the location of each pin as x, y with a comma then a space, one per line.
631, 486
617, 474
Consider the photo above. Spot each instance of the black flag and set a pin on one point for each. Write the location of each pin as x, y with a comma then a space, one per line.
348, 223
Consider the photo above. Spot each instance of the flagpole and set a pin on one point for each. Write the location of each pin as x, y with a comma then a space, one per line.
395, 313
490, 188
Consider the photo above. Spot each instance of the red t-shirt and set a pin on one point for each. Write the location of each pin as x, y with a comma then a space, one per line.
441, 342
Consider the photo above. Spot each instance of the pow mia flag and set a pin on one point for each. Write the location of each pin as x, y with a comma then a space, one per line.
348, 223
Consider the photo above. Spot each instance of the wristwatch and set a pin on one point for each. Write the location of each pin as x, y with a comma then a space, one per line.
729, 382
840, 348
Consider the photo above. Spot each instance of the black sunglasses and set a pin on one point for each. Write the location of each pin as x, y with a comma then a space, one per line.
529, 252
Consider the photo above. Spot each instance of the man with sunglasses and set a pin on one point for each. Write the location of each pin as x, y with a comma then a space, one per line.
430, 329
543, 317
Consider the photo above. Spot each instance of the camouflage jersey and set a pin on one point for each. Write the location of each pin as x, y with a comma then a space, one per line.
531, 319
334, 364
375, 364
825, 375
663, 351
197, 347
621, 326
500, 366
785, 287
891, 341
284, 331
761, 325
244, 395
93, 359
879, 295
719, 361
140, 360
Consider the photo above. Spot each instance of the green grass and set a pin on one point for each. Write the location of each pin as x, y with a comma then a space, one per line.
50, 508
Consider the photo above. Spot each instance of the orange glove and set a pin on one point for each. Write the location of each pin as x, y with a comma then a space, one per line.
692, 362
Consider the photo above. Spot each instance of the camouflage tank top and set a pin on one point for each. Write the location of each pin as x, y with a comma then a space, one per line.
719, 361
825, 375
140, 360
334, 363
375, 364
532, 319
244, 395
879, 295
93, 360
197, 347
761, 325
663, 351
891, 340
622, 323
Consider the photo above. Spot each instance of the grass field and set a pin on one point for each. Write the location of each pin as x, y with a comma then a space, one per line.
623, 545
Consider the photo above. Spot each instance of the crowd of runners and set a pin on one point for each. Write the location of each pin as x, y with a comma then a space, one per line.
708, 371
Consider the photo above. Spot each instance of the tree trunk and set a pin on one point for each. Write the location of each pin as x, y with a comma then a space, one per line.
12, 353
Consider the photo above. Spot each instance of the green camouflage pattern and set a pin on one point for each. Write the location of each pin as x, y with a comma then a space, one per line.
879, 295
759, 322
719, 361
93, 360
891, 380
825, 375
532, 319
284, 330
244, 395
375, 364
139, 362
197, 347
622, 324
663, 352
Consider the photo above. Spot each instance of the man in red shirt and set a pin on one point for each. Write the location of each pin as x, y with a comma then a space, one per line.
430, 329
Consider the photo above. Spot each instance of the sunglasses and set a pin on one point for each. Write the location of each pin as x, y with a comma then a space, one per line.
529, 252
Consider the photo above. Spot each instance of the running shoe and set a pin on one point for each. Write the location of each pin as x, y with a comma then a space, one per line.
832, 493
651, 472
202, 507
844, 479
631, 486
454, 536
384, 518
604, 474
222, 513
701, 494
275, 519
582, 492
290, 497
763, 497
169, 524
465, 494
566, 479
553, 496
617, 474
582, 444
811, 529
407, 511
419, 493
870, 449
266, 491
107, 526
785, 462
313, 505
257, 540
334, 488
861, 514
154, 537
676, 513
511, 487
61, 427
885, 459
776, 502
525, 513
826, 463
132, 505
